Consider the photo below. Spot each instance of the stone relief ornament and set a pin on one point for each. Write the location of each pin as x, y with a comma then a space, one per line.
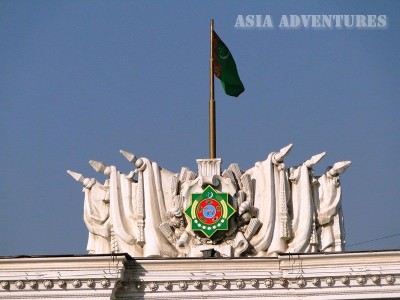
225, 283
197, 284
153, 286
269, 282
264, 211
345, 279
211, 284
76, 283
48, 284
316, 281
90, 283
105, 283
390, 279
330, 281
301, 282
33, 284
375, 279
283, 282
240, 284
183, 285
62, 283
361, 280
20, 284
5, 285
254, 282
168, 285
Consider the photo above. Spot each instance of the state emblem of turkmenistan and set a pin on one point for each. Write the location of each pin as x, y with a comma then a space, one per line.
209, 211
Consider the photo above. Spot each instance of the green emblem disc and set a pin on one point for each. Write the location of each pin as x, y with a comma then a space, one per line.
209, 211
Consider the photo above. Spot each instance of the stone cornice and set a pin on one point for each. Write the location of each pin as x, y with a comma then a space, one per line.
356, 275
53, 277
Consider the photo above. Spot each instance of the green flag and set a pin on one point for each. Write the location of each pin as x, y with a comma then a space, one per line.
224, 67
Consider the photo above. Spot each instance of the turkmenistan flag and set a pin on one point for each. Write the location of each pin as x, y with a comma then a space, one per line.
224, 68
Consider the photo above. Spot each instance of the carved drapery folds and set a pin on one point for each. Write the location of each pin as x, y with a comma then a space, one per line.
278, 209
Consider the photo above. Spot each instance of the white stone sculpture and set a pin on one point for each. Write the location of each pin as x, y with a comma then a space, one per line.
303, 192
263, 211
329, 208
96, 213
271, 194
138, 207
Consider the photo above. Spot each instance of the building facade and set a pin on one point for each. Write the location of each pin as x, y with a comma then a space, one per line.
351, 275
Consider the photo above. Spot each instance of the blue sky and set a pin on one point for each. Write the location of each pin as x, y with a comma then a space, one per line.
81, 80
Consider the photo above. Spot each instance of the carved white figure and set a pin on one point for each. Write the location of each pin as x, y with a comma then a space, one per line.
96, 213
158, 201
124, 229
138, 207
329, 208
175, 231
271, 191
303, 190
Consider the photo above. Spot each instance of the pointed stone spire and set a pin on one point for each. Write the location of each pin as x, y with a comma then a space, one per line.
339, 167
86, 182
77, 176
129, 156
314, 159
98, 166
283, 152
132, 158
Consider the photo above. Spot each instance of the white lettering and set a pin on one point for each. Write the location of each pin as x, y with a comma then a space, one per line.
371, 21
239, 21
313, 21
268, 22
250, 21
348, 20
327, 21
361, 21
284, 21
306, 20
259, 21
316, 21
338, 21
382, 21
295, 21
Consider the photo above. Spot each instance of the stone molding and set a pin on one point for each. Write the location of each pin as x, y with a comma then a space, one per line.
353, 275
60, 277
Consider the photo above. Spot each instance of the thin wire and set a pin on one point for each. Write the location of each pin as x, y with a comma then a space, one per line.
382, 238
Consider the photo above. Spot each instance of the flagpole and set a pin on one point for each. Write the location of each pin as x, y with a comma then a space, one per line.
211, 105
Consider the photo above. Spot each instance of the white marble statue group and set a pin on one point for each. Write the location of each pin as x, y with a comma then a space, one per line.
278, 209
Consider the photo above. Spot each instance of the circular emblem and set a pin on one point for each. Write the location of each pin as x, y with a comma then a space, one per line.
209, 211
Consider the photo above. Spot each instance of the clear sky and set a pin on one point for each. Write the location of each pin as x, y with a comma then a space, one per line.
80, 80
